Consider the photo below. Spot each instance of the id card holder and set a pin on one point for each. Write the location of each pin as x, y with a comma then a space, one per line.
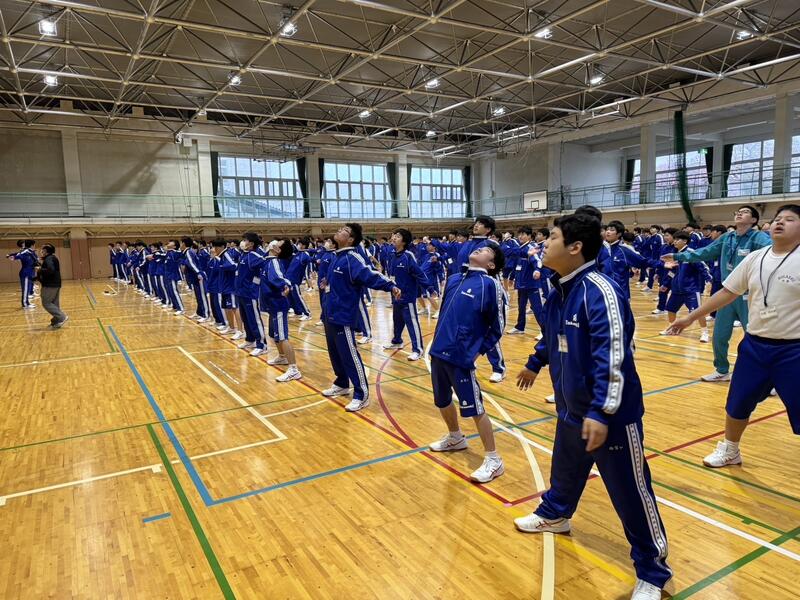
562, 343
768, 312
519, 267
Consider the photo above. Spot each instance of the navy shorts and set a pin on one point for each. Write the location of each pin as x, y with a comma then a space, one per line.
763, 364
691, 300
279, 325
448, 378
229, 302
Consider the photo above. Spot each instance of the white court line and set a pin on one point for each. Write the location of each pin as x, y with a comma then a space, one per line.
156, 468
277, 432
70, 358
694, 514
548, 547
224, 372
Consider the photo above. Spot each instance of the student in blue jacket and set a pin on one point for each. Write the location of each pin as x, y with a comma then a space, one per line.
665, 275
27, 271
433, 267
470, 323
408, 276
624, 258
528, 272
588, 344
347, 275
172, 275
324, 258
214, 281
247, 287
195, 277
295, 273
687, 285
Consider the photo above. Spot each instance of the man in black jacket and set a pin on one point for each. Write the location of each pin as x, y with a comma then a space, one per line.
50, 277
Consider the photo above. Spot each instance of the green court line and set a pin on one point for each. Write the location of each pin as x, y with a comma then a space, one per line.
89, 300
105, 335
734, 566
173, 419
213, 562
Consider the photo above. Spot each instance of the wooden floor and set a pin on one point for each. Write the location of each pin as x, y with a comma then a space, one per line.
144, 456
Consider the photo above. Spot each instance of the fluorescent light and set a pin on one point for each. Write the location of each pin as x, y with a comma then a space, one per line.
201, 112
596, 78
499, 111
544, 34
50, 80
743, 34
234, 79
47, 27
288, 29
430, 133
432, 84
364, 114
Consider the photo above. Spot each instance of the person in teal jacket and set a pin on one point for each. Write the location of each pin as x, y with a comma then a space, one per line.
730, 249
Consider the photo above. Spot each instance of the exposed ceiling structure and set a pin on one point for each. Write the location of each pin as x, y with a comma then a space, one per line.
454, 77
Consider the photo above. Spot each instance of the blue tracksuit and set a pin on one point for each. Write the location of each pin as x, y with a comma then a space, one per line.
696, 240
495, 355
172, 275
623, 258
157, 273
364, 325
433, 266
228, 263
687, 285
509, 248
665, 277
214, 275
324, 258
588, 343
528, 288
27, 272
273, 283
409, 277
195, 277
347, 275
652, 250
470, 323
296, 273
246, 288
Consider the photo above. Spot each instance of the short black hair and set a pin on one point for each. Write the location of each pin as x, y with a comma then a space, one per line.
286, 250
681, 235
671, 230
187, 241
544, 231
49, 249
619, 226
499, 258
657, 227
753, 211
719, 228
306, 241
356, 232
487, 222
628, 236
795, 208
525, 229
583, 228
405, 234
252, 236
592, 211
707, 228
219, 243
692, 224
29, 243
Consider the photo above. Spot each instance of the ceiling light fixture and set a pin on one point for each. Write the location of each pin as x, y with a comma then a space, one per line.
430, 133
287, 29
498, 111
432, 84
50, 80
234, 79
48, 27
596, 78
201, 112
364, 114
743, 34
544, 34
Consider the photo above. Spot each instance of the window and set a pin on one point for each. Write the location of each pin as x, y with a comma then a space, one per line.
258, 188
356, 191
667, 186
794, 174
436, 192
751, 169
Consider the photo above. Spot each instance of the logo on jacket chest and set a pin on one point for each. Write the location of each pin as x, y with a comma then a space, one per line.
573, 322
468, 293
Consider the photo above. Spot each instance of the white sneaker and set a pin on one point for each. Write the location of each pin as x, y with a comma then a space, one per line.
258, 351
309, 290
737, 323
224, 330
435, 315
356, 405
723, 456
533, 523
319, 323
645, 591
704, 337
496, 377
773, 392
363, 340
710, 318
392, 346
716, 376
291, 374
335, 390
178, 313
491, 468
278, 360
658, 311
665, 332
539, 337
514, 331
203, 320
368, 303
29, 307
246, 345
60, 324
449, 444
414, 356
551, 399
304, 318
237, 335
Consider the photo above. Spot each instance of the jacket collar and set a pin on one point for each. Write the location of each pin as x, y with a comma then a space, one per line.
566, 283
343, 250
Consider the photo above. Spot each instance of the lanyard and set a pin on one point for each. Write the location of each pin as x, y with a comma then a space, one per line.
771, 275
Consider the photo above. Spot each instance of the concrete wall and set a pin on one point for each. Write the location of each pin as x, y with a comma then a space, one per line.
576, 166
511, 176
31, 161
9, 270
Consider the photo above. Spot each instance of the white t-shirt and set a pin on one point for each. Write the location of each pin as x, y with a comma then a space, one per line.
783, 292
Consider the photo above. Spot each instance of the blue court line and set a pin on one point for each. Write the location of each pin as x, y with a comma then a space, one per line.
675, 387
156, 517
184, 457
91, 295
352, 467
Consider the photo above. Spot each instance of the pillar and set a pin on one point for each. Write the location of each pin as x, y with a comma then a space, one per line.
79, 253
72, 172
206, 200
401, 159
782, 157
314, 187
716, 185
647, 148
